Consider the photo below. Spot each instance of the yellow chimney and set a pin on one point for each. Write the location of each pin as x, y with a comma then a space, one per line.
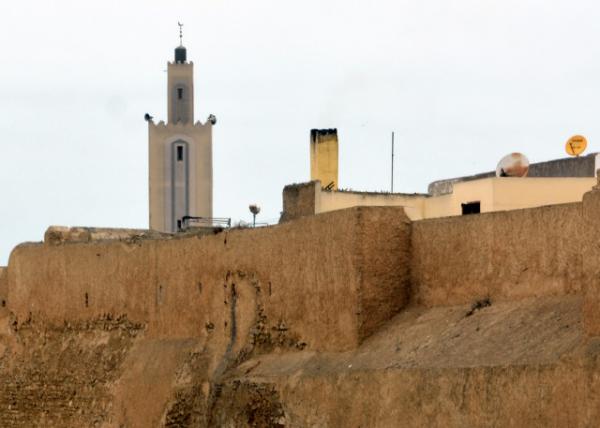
324, 157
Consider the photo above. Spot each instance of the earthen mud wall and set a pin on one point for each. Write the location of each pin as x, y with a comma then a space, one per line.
63, 375
299, 200
590, 254
323, 282
514, 396
502, 255
302, 324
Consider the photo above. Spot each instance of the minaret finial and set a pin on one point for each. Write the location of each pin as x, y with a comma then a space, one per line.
180, 33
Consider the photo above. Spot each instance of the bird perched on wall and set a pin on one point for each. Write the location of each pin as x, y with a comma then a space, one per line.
147, 117
212, 119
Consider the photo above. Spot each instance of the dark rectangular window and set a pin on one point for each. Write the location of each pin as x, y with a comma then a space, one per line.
179, 153
179, 93
471, 208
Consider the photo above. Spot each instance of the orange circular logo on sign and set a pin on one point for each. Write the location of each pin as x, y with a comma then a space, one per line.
576, 145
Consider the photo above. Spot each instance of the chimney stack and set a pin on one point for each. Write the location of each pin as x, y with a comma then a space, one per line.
324, 157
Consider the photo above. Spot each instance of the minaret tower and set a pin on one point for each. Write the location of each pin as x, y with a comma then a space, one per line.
180, 153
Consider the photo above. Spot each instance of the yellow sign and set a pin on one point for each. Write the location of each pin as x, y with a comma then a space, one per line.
576, 145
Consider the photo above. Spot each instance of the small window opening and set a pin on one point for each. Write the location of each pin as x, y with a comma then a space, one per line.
180, 153
471, 208
179, 93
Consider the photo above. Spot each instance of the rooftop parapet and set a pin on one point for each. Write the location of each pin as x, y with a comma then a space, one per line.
179, 125
582, 166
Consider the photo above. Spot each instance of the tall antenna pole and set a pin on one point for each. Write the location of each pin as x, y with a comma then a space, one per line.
392, 161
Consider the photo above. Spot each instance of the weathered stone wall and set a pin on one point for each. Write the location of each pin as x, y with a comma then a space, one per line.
299, 200
503, 255
557, 395
552, 250
308, 324
61, 375
590, 254
511, 364
325, 281
141, 332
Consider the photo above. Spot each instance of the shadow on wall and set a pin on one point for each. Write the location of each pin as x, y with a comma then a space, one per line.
3, 287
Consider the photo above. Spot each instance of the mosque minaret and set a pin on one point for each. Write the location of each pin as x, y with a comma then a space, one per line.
180, 153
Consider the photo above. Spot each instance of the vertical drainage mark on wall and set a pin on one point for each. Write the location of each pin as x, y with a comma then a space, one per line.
216, 386
233, 331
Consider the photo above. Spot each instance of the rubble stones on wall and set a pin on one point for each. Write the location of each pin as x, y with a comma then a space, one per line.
62, 375
55, 235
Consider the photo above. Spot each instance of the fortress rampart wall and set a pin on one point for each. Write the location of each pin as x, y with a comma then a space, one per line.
325, 281
510, 255
328, 281
214, 325
504, 255
590, 253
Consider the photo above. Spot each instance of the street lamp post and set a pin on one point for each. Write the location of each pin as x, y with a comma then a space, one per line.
254, 209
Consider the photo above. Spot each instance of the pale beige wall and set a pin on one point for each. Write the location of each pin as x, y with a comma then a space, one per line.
331, 201
324, 158
509, 193
468, 191
494, 194
199, 139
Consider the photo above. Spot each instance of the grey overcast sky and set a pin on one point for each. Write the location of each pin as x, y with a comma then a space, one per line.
462, 82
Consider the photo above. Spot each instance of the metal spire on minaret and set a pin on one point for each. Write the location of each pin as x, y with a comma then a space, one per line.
180, 52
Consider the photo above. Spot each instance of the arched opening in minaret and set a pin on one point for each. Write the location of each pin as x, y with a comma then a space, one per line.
180, 195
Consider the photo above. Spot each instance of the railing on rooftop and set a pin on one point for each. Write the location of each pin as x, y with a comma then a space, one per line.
207, 222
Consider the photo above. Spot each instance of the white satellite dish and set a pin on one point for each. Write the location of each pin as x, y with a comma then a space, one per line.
513, 165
